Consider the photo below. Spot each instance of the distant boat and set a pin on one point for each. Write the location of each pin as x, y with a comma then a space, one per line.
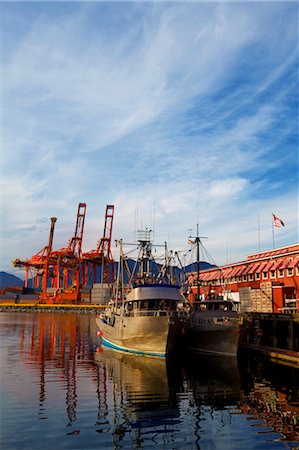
215, 320
147, 314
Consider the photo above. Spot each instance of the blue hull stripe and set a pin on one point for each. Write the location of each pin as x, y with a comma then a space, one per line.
129, 350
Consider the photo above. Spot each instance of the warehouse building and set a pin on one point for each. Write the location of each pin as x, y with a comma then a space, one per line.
265, 282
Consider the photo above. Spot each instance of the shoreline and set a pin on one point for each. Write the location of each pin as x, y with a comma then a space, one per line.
50, 308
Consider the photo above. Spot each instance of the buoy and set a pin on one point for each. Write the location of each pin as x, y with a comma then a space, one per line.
99, 333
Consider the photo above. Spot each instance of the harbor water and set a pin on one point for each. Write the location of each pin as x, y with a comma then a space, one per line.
61, 389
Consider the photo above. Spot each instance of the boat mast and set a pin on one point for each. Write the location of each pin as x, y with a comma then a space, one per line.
197, 242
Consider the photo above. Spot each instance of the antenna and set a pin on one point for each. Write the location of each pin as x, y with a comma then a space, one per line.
197, 207
154, 216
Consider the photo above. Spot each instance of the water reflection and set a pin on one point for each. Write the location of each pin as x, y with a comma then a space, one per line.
270, 391
140, 389
59, 382
214, 380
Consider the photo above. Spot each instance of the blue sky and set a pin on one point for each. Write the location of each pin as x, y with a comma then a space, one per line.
188, 109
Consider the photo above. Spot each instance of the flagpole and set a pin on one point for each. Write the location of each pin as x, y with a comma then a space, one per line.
259, 232
273, 231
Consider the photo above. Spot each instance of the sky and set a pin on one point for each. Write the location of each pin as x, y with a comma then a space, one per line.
177, 113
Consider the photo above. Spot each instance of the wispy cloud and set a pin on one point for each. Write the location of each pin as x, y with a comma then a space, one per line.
192, 106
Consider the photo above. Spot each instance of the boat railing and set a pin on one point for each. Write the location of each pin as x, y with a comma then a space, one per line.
155, 313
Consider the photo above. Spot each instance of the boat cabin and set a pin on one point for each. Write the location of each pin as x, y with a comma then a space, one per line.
150, 306
215, 305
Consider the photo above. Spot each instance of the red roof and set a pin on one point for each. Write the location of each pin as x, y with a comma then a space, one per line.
214, 275
227, 272
269, 266
283, 264
241, 271
278, 264
290, 263
253, 268
235, 270
247, 269
204, 275
261, 267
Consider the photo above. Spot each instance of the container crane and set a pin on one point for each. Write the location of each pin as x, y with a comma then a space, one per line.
101, 256
38, 265
74, 248
66, 265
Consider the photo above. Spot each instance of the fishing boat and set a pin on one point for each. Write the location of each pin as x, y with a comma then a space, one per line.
214, 326
215, 318
147, 313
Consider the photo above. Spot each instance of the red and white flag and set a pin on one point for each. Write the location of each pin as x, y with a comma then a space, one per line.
277, 222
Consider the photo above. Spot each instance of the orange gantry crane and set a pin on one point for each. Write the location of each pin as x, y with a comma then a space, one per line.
60, 274
37, 267
101, 257
67, 266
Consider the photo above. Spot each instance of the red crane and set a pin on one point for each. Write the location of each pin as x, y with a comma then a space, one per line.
101, 256
66, 265
74, 248
38, 265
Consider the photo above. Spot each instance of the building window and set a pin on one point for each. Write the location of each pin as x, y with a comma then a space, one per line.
250, 277
265, 275
257, 276
297, 270
290, 272
280, 273
244, 278
272, 274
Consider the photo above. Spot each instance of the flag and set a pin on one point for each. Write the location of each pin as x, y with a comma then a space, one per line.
277, 222
191, 242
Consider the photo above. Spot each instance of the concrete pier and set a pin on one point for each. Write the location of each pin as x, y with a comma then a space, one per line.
61, 308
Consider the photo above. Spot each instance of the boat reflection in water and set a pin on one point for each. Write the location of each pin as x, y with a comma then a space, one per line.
140, 389
214, 380
159, 396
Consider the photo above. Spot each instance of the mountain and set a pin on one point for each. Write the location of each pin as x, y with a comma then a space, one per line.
176, 271
7, 279
202, 266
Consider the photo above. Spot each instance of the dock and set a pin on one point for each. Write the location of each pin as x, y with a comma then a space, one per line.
273, 334
34, 307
